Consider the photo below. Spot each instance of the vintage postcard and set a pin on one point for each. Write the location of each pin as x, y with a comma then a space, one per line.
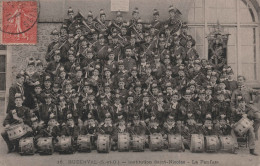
129, 82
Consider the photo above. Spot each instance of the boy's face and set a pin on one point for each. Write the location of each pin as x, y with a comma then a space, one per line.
135, 15
96, 73
155, 90
230, 76
134, 73
55, 38
187, 97
136, 121
111, 56
37, 90
192, 88
242, 104
63, 75
39, 68
156, 17
162, 44
79, 74
18, 102
167, 61
71, 15
208, 92
71, 40
197, 67
103, 17
48, 100
122, 123
20, 80
108, 121
175, 98
138, 90
57, 58
121, 67
202, 96
169, 90
89, 55
130, 99
71, 57
55, 89
68, 87
47, 84
128, 51
90, 19
121, 84
168, 73
107, 89
240, 81
107, 73
146, 99
221, 97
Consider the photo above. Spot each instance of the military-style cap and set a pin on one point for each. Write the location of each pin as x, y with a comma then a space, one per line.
55, 32
136, 10
102, 12
90, 14
155, 12
18, 95
70, 10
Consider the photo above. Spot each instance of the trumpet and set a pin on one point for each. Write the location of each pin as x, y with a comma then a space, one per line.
90, 29
102, 24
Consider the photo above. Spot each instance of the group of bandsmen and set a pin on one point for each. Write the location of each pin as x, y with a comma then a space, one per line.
108, 77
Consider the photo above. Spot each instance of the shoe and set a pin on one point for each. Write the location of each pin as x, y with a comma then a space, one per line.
252, 152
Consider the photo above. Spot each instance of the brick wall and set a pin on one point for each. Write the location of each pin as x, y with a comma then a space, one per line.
20, 53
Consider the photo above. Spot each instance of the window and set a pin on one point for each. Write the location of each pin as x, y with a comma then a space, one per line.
239, 19
2, 72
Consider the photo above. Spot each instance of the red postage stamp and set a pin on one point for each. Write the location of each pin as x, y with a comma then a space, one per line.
19, 22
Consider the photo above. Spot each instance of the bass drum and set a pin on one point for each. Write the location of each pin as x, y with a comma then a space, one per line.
197, 143
123, 142
103, 143
65, 145
227, 143
84, 143
26, 146
138, 143
212, 143
156, 142
242, 126
175, 143
45, 145
16, 131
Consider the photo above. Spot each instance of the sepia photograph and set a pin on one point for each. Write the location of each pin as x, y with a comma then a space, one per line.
129, 82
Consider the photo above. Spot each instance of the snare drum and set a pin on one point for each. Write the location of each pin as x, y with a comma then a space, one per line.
16, 131
123, 142
65, 145
103, 143
197, 143
242, 126
227, 143
45, 145
26, 146
156, 142
212, 143
175, 143
138, 143
84, 143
